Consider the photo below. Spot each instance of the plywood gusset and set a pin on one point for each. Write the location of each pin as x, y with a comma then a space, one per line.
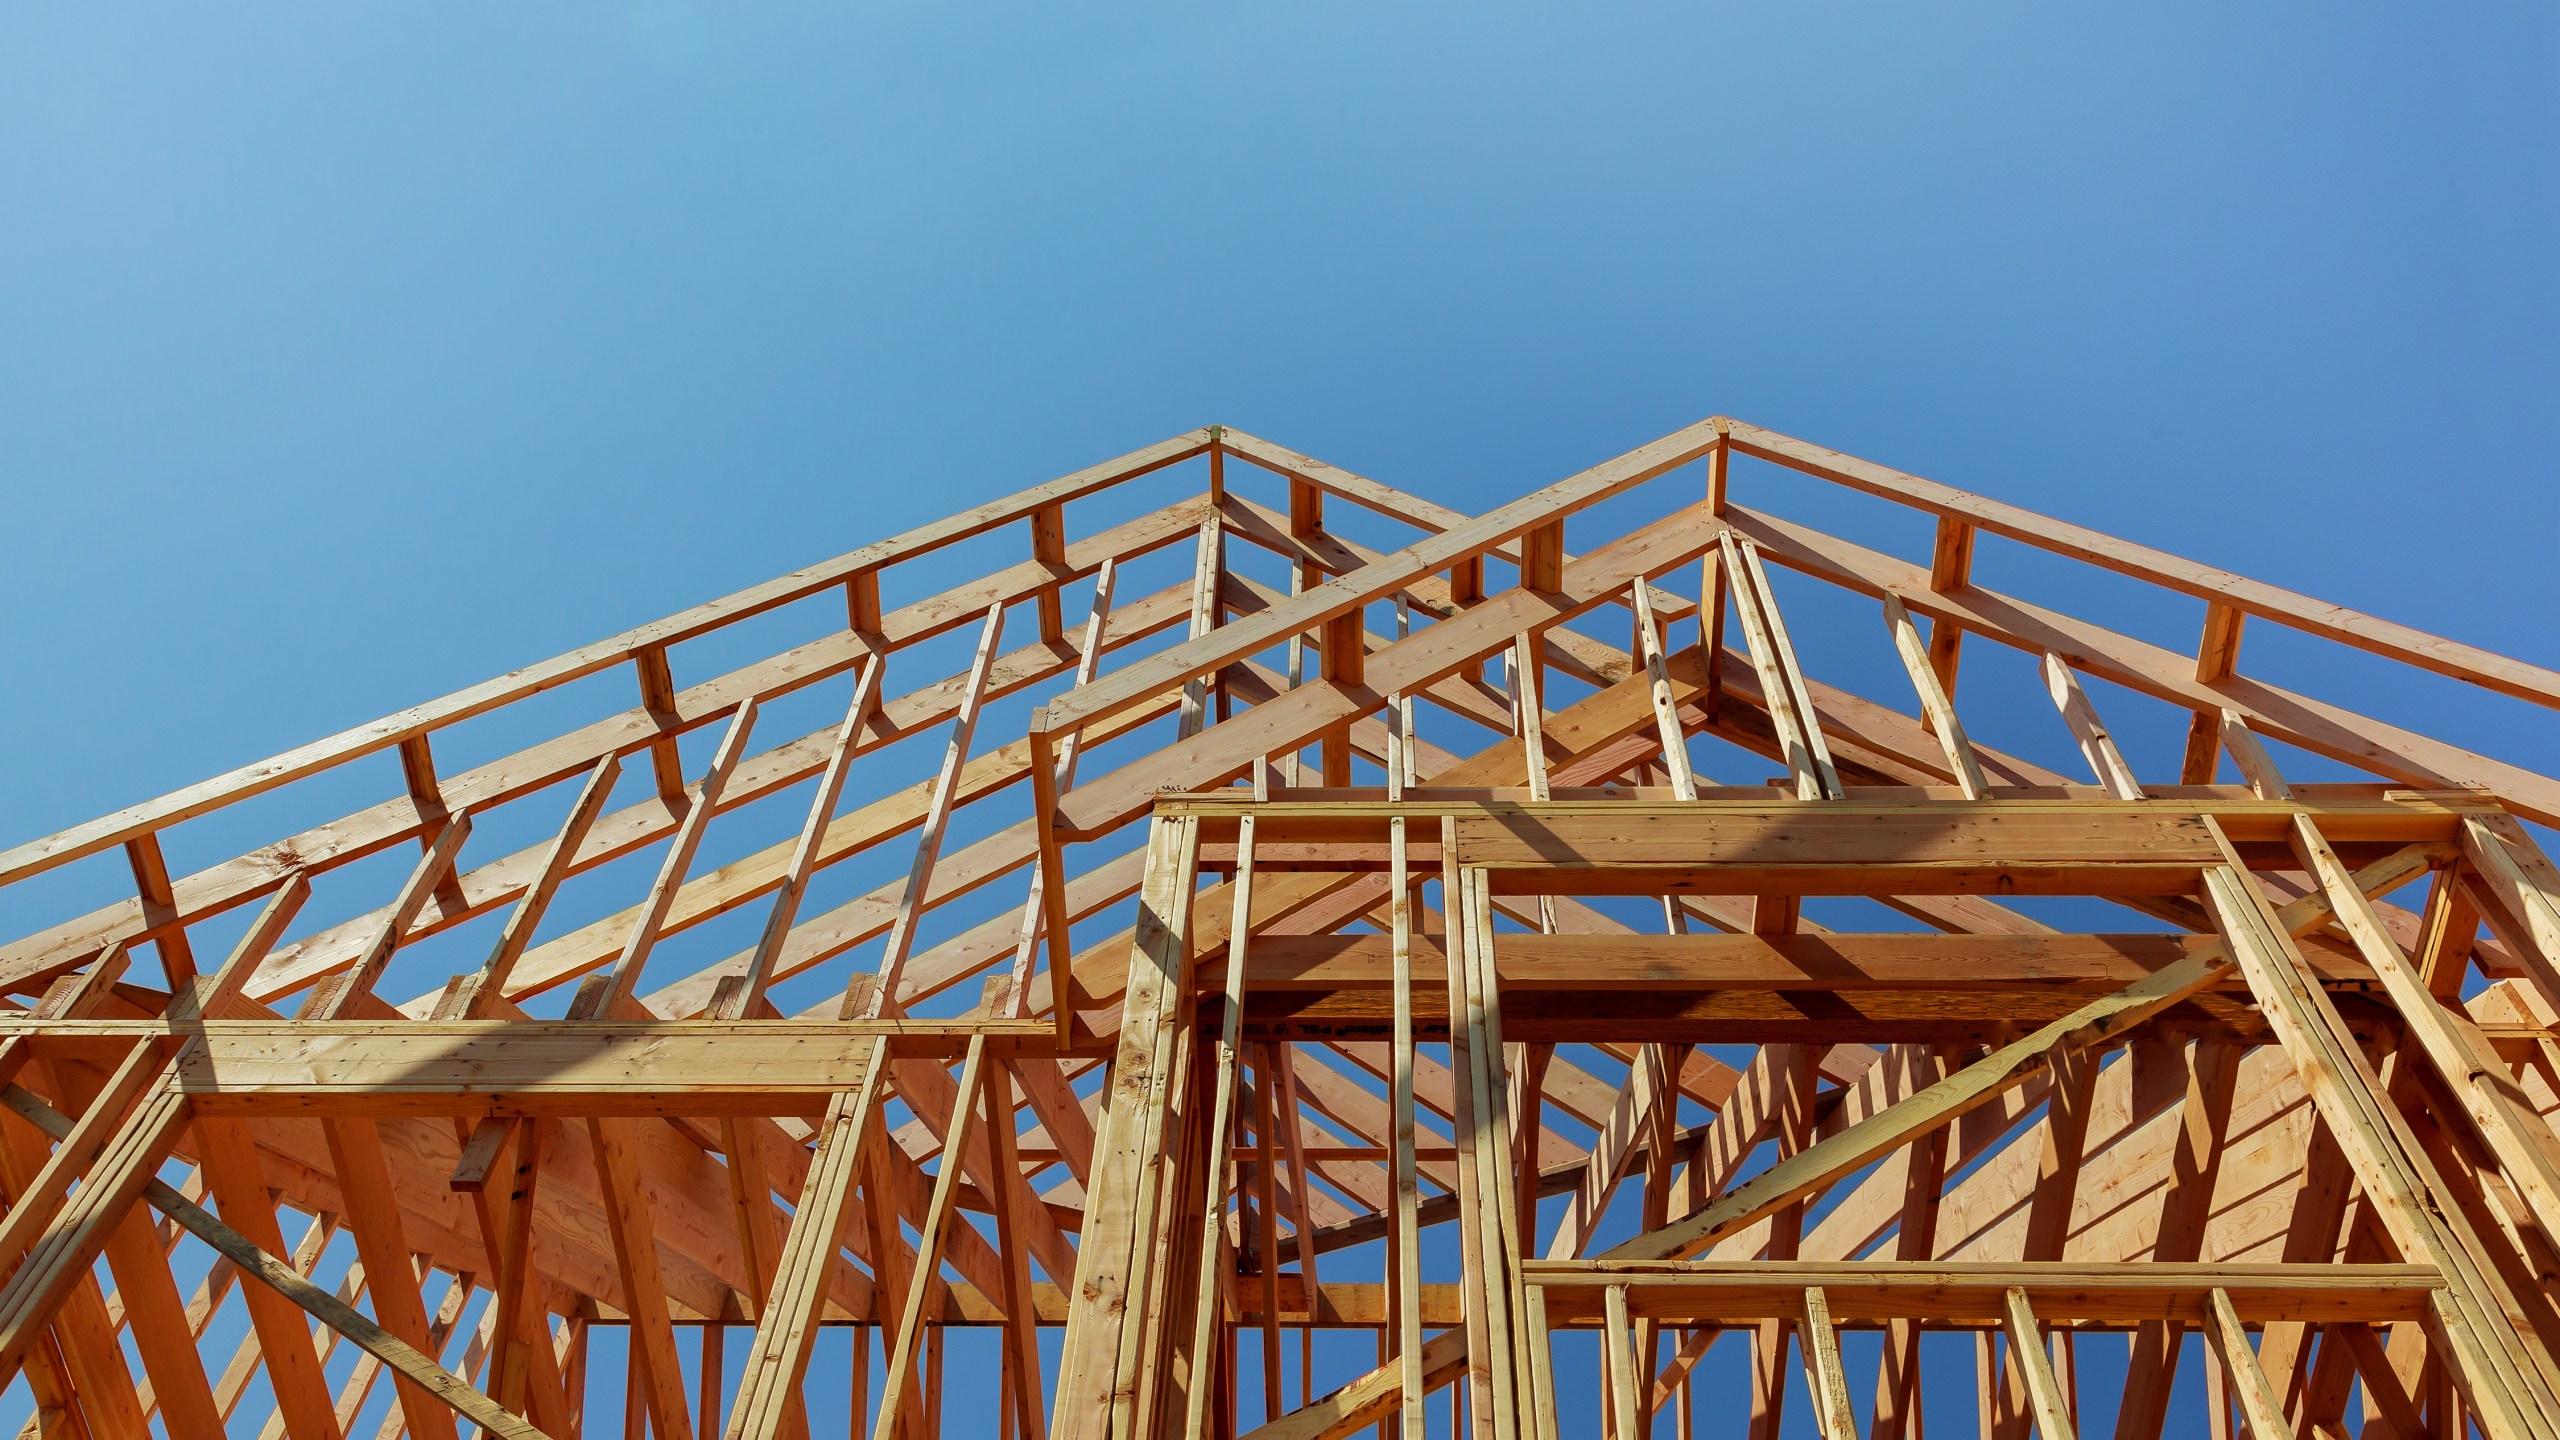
1551, 985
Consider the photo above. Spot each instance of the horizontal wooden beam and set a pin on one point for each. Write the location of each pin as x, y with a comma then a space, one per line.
533, 1067
1654, 965
1949, 1291
2380, 814
1754, 1017
1843, 849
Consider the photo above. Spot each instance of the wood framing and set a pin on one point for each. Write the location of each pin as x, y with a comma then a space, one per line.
1612, 987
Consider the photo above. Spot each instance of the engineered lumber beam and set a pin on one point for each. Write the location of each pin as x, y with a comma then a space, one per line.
494, 973
2097, 746
1782, 685
1655, 964
1832, 1416
1222, 1103
687, 841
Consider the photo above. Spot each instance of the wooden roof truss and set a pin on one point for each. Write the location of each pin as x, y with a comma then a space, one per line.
1351, 940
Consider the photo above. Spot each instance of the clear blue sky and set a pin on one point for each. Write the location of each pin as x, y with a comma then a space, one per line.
355, 354
352, 354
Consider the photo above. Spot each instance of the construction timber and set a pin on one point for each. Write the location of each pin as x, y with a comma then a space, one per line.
1323, 992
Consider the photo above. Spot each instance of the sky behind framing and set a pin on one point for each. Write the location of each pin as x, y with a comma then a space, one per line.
350, 355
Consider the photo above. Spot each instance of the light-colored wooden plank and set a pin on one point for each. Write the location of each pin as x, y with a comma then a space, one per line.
2502, 1373
1666, 714
36, 1215
2087, 730
213, 994
1376, 1394
1625, 1407
1782, 685
678, 860
1207, 563
1941, 711
1969, 1293
2032, 1362
2280, 714
1824, 1375
1405, 1250
1208, 1301
1111, 1257
434, 867
2520, 893
813, 832
1088, 664
2498, 1110
2261, 1409
922, 1281
881, 996
526, 918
